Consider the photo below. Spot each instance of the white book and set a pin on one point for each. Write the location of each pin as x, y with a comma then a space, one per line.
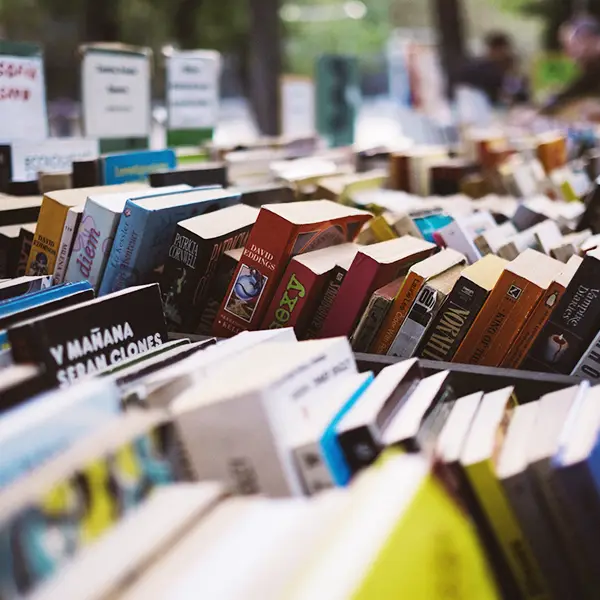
96, 232
231, 423
461, 233
490, 241
66, 243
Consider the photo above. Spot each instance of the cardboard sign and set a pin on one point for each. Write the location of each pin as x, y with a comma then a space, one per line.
23, 111
193, 89
297, 106
116, 93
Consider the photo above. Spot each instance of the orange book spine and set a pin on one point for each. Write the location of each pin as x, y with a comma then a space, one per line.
499, 322
540, 315
404, 300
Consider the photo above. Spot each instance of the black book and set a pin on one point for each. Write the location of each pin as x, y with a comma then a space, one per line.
87, 338
5, 167
198, 176
86, 173
14, 210
573, 324
20, 286
13, 241
193, 256
360, 431
20, 383
23, 188
267, 194
590, 219
25, 241
525, 218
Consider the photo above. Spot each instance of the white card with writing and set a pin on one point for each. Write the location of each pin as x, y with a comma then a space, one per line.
297, 106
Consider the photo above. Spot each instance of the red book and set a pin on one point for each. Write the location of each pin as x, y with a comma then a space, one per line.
281, 232
301, 289
373, 267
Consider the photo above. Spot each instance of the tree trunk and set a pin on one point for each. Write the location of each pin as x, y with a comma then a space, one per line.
265, 64
101, 21
185, 23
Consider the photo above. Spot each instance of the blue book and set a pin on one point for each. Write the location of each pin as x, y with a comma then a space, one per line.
430, 223
330, 445
13, 288
19, 303
145, 232
34, 432
136, 166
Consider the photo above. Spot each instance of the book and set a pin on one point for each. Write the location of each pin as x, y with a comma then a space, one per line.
197, 176
15, 210
234, 433
86, 173
192, 260
12, 242
417, 275
281, 232
135, 166
96, 232
523, 282
50, 225
224, 272
373, 267
24, 244
50, 182
425, 308
417, 424
458, 313
460, 234
540, 237
490, 241
569, 245
572, 325
269, 193
39, 429
21, 286
360, 432
66, 243
145, 231
373, 316
124, 324
540, 315
300, 291
20, 383
479, 458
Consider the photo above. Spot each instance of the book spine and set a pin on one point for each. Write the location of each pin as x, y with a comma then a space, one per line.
291, 298
418, 320
397, 313
257, 275
46, 240
26, 239
540, 315
370, 322
313, 470
66, 243
589, 365
571, 326
331, 289
499, 321
453, 321
125, 250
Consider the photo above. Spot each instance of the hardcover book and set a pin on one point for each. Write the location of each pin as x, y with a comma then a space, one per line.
524, 281
281, 232
192, 260
572, 325
135, 166
95, 235
373, 267
123, 324
145, 231
66, 242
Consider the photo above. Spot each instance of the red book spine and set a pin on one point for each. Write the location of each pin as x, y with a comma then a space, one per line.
256, 277
358, 286
293, 298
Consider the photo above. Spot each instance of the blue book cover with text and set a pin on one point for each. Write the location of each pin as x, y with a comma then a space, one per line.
136, 166
146, 228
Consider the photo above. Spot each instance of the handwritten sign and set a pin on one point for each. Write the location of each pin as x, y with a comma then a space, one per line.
193, 89
116, 94
23, 112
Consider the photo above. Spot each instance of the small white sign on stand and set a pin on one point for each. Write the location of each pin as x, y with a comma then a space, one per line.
116, 94
23, 110
297, 106
193, 89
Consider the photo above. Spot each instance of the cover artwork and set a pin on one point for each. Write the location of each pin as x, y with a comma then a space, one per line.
246, 293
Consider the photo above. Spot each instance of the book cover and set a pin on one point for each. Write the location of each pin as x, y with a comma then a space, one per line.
86, 173
146, 228
372, 319
12, 240
192, 260
540, 315
296, 298
373, 267
460, 234
66, 242
14, 210
269, 193
458, 313
280, 233
572, 325
25, 240
135, 166
588, 366
200, 175
124, 324
417, 275
524, 281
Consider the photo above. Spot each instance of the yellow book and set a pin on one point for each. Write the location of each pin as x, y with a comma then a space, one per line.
51, 222
382, 230
479, 456
403, 537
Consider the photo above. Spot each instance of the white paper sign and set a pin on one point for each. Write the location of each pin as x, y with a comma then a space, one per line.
23, 114
116, 95
193, 89
54, 155
297, 107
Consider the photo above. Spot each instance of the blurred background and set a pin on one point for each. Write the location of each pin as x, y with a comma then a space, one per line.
262, 39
